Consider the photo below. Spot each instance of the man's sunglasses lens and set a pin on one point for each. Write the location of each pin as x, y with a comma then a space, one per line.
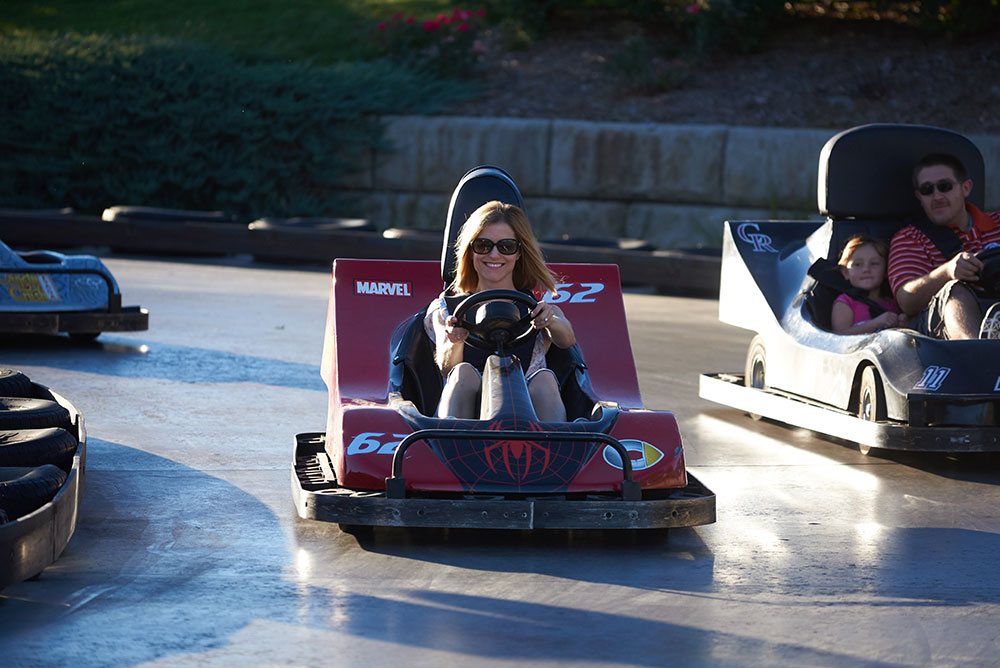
482, 246
942, 186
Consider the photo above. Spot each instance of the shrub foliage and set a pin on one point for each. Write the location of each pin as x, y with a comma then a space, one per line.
93, 120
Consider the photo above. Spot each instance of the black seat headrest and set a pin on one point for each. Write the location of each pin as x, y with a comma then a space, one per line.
866, 172
480, 185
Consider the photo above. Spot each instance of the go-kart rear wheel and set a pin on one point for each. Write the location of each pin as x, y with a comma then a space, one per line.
756, 366
871, 402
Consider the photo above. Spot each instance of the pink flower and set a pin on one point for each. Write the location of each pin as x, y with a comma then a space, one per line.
463, 28
692, 9
466, 15
431, 26
397, 15
409, 20
381, 26
481, 13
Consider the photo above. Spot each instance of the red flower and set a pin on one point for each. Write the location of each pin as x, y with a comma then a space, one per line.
409, 20
381, 26
397, 15
463, 28
692, 9
431, 26
481, 13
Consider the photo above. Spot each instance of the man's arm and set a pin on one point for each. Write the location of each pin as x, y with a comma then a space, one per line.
913, 295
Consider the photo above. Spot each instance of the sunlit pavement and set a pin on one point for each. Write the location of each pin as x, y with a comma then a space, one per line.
188, 551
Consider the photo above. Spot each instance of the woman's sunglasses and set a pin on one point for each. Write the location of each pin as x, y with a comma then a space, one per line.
942, 186
483, 246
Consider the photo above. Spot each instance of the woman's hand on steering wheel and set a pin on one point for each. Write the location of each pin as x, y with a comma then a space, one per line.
455, 333
542, 315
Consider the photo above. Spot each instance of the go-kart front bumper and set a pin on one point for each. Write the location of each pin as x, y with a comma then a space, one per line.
317, 496
127, 319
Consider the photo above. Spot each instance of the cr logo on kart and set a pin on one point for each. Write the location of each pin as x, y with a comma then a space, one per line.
932, 378
566, 292
750, 233
374, 442
383, 288
646, 454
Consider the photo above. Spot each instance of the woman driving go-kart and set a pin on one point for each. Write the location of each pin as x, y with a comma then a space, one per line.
459, 395
496, 250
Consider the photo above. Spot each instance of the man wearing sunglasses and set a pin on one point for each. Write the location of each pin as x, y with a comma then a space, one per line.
933, 266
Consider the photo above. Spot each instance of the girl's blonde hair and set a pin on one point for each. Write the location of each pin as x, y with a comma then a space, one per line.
855, 242
530, 271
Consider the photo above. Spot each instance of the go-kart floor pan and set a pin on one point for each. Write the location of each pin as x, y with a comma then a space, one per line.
729, 389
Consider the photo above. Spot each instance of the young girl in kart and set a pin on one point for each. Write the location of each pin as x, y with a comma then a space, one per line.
496, 249
863, 264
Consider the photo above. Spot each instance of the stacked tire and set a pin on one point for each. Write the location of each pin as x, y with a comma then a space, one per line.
42, 461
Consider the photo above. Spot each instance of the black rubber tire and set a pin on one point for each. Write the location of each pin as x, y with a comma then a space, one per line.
84, 337
22, 413
755, 370
24, 489
13, 383
871, 402
35, 447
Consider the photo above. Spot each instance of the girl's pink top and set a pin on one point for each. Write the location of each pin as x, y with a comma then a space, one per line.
861, 311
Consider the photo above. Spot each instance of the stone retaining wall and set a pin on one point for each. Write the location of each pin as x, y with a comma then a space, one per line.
670, 184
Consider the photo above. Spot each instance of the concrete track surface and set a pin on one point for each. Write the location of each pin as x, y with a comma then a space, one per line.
188, 551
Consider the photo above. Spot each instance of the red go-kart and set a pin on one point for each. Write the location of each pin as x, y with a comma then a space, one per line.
387, 460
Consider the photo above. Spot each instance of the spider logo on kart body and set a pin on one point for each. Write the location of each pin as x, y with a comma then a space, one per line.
492, 465
511, 454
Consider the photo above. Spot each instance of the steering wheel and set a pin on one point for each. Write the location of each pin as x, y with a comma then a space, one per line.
500, 329
989, 277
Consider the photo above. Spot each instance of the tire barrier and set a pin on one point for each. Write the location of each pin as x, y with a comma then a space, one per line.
42, 462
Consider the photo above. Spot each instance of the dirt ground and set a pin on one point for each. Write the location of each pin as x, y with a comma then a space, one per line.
826, 74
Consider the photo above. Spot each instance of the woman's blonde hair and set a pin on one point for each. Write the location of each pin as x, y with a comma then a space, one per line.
530, 271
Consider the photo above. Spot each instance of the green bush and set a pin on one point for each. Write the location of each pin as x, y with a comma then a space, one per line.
731, 26
958, 18
641, 66
91, 121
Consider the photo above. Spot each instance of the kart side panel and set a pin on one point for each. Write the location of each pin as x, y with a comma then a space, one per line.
763, 264
654, 444
368, 436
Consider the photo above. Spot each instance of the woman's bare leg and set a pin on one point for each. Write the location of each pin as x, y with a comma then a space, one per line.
458, 398
544, 392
